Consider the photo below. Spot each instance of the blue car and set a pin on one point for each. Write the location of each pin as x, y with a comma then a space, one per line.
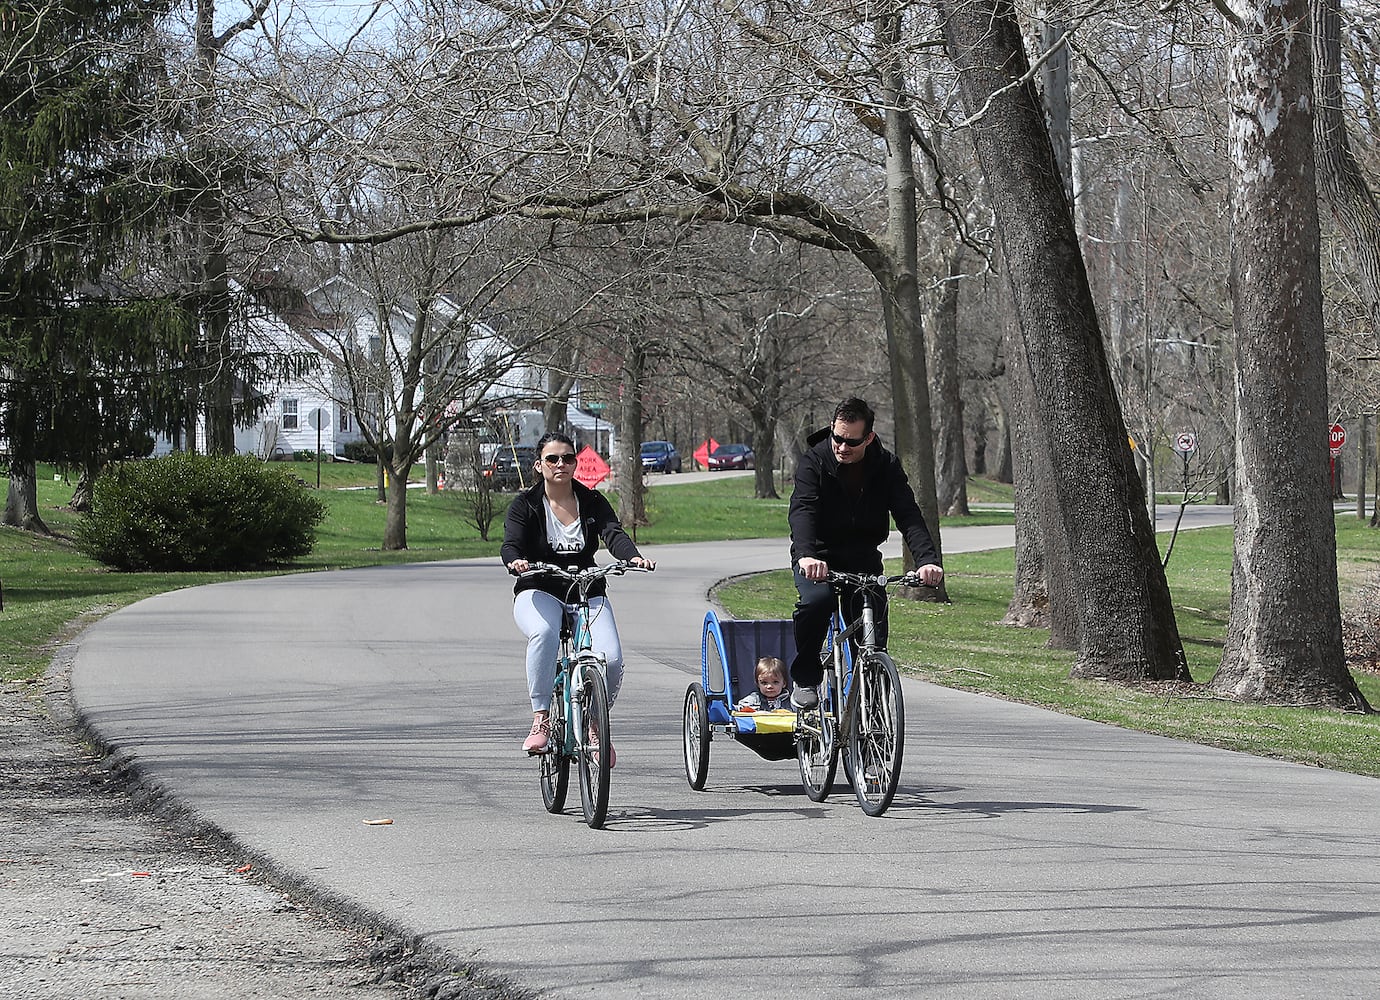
660, 456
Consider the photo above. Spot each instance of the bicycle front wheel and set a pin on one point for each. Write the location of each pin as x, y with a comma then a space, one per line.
592, 738
876, 738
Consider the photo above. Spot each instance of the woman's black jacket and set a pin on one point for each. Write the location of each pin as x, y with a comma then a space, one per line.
524, 537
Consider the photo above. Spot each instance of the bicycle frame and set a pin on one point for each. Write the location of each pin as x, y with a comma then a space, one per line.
862, 632
576, 656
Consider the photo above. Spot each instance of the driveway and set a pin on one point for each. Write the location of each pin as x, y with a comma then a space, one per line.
1027, 854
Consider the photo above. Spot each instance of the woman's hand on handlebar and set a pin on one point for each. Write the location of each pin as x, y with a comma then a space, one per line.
642, 563
519, 566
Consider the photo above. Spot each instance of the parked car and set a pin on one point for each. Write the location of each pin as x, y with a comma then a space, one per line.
660, 456
503, 472
730, 456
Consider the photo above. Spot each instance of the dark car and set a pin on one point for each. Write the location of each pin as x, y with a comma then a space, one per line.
511, 468
660, 456
730, 456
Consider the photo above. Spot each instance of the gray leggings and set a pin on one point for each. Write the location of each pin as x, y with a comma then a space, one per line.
538, 615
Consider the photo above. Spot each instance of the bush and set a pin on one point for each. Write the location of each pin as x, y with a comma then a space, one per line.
199, 512
360, 451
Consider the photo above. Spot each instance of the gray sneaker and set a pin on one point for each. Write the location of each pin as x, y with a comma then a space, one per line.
804, 697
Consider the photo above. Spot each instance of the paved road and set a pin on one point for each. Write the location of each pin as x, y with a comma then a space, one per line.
1027, 854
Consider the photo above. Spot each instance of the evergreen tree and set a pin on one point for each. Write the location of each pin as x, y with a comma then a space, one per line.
85, 371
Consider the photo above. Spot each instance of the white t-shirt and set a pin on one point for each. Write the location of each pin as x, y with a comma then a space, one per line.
563, 537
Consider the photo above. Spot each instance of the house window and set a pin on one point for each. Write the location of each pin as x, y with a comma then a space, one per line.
347, 423
289, 414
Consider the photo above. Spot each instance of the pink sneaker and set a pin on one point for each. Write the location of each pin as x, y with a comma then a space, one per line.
537, 739
594, 747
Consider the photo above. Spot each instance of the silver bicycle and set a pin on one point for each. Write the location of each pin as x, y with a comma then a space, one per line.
861, 710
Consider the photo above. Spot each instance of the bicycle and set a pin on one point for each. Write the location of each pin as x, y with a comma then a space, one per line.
860, 706
579, 717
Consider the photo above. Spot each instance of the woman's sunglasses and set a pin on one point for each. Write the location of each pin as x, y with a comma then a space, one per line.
847, 442
566, 459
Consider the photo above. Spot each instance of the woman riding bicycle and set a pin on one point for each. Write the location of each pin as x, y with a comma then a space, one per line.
558, 520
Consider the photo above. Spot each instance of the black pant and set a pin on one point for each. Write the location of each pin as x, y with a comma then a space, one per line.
812, 610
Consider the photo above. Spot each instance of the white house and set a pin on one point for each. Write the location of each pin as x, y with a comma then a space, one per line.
339, 324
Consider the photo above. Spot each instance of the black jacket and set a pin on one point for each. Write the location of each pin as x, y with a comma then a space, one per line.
524, 537
828, 523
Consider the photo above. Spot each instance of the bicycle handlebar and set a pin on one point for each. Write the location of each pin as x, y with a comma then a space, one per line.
585, 576
871, 580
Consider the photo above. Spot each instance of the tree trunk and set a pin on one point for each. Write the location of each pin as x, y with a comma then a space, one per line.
632, 491
1362, 453
764, 453
1284, 635
395, 520
1044, 592
900, 289
951, 463
1126, 621
1056, 77
21, 500
1339, 177
209, 215
84, 494
1029, 606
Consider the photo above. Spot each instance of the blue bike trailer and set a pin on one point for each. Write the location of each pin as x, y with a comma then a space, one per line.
730, 649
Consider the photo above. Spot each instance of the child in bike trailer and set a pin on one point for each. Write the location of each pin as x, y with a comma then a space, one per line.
559, 520
772, 688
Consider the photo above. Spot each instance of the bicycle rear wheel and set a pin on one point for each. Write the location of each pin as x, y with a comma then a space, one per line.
592, 739
816, 749
876, 739
555, 762
695, 736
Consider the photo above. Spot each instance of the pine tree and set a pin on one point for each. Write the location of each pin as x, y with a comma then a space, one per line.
85, 371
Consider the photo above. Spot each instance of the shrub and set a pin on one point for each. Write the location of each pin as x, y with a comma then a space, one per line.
199, 512
360, 451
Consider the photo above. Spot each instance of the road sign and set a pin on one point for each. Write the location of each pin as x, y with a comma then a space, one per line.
1186, 443
319, 419
590, 467
1336, 437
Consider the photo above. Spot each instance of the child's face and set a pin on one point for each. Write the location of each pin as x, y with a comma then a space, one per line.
770, 683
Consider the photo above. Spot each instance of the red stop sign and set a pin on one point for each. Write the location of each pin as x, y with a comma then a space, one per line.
1336, 436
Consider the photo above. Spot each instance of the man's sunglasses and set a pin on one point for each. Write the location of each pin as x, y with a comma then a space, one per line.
847, 442
566, 459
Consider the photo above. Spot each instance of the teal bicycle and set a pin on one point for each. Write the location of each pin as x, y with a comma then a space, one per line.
579, 700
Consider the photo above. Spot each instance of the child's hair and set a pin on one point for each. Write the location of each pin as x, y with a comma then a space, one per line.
770, 665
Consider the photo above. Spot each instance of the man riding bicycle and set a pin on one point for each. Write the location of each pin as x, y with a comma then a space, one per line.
847, 490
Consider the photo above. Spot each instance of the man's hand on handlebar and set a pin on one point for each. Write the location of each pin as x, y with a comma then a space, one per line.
931, 574
642, 563
813, 569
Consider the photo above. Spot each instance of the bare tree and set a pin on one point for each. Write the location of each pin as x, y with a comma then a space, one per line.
1284, 637
1341, 181
1126, 621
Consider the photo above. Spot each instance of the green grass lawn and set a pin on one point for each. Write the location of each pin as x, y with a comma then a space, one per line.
961, 645
49, 586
